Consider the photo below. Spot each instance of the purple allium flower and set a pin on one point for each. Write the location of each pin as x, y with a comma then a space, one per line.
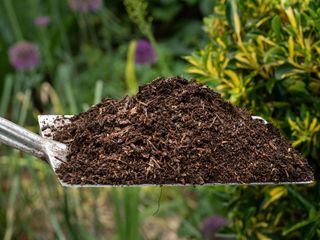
42, 21
145, 53
85, 5
211, 225
24, 55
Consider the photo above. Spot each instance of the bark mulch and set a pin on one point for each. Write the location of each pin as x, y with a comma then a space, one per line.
175, 131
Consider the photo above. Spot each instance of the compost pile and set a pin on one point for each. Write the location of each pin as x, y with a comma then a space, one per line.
175, 131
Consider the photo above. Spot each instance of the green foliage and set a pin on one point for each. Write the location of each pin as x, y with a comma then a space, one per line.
305, 131
282, 212
264, 56
267, 61
126, 202
137, 11
84, 57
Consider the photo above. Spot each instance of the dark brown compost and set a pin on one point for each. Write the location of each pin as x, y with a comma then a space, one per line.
175, 131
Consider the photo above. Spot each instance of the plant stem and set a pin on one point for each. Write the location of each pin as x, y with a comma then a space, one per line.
162, 63
46, 49
117, 213
11, 207
17, 88
98, 92
24, 107
92, 31
71, 98
55, 13
83, 28
6, 94
131, 80
13, 19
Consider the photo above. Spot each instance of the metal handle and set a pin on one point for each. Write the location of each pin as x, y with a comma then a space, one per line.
20, 138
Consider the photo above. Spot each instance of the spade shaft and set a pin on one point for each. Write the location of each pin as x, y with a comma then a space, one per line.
22, 139
15, 136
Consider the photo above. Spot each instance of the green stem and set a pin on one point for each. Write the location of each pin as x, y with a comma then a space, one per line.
24, 107
98, 92
131, 80
55, 13
162, 63
46, 48
17, 88
13, 19
71, 98
6, 94
11, 210
89, 23
117, 206
134, 208
64, 74
83, 29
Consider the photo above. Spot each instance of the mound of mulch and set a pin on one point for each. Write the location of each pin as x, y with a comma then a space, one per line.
175, 131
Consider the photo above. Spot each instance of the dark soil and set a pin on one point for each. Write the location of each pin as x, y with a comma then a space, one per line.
175, 131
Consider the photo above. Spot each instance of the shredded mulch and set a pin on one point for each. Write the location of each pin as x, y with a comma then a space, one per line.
175, 131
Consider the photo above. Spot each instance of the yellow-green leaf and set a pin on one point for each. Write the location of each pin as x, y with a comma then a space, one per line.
266, 40
193, 61
275, 194
262, 21
131, 80
293, 124
313, 125
291, 47
291, 18
297, 142
261, 236
234, 18
197, 71
317, 129
227, 84
221, 43
225, 63
233, 77
210, 67
306, 121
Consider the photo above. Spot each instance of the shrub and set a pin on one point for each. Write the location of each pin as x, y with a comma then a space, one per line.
264, 56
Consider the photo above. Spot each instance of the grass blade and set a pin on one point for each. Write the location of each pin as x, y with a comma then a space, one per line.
98, 92
6, 95
131, 80
11, 207
24, 107
117, 213
13, 19
64, 76
131, 202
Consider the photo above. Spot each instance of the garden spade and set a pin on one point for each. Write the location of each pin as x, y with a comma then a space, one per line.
54, 153
51, 151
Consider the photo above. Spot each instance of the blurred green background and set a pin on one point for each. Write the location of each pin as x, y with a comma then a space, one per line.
61, 57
